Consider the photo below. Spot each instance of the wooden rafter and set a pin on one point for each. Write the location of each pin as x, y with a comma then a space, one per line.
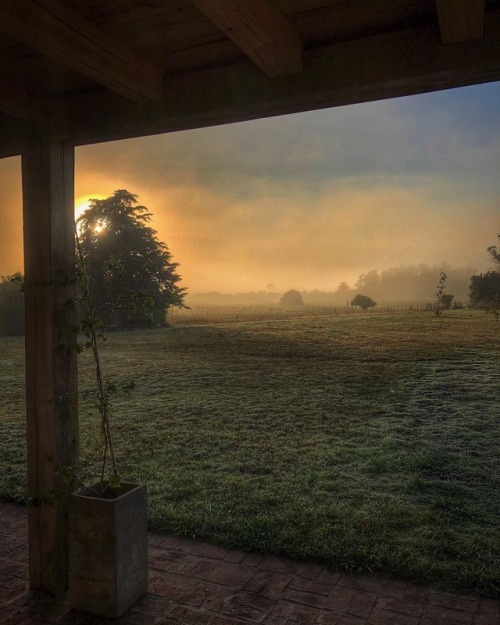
384, 66
60, 33
460, 20
259, 31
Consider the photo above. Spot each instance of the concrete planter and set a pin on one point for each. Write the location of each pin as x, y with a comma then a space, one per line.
108, 550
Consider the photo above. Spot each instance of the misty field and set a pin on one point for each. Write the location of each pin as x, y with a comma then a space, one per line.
367, 442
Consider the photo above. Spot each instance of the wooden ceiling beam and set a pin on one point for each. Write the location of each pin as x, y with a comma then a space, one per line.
388, 65
63, 35
460, 20
259, 31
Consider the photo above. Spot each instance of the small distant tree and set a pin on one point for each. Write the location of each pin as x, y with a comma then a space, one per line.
446, 301
363, 301
292, 298
439, 305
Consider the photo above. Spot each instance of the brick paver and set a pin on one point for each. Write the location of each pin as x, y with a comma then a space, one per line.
196, 583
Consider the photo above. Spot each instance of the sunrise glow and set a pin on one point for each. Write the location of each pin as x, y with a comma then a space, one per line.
304, 201
82, 203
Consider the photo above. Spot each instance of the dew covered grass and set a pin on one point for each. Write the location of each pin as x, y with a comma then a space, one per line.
368, 442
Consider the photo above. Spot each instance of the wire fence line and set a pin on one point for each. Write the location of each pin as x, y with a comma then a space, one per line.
236, 314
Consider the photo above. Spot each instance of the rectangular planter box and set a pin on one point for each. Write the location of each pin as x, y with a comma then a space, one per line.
108, 550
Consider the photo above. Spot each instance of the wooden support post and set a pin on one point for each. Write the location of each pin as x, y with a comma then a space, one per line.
51, 367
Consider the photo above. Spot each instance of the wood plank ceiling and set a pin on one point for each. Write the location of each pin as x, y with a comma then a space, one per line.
95, 70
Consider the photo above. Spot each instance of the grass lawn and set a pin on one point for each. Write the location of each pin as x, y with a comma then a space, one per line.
368, 442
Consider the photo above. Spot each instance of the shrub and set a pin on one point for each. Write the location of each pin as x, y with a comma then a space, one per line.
363, 301
292, 298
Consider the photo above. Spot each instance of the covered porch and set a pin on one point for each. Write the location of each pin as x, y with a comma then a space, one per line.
81, 73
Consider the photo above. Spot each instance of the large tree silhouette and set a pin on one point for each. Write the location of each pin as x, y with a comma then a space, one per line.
131, 273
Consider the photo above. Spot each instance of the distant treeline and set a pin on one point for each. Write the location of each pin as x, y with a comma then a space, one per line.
396, 285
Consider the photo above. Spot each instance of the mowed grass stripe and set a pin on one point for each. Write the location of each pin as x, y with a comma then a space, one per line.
367, 442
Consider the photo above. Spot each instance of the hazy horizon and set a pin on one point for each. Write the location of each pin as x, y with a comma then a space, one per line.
309, 200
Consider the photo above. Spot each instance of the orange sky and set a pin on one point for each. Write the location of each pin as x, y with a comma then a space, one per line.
309, 200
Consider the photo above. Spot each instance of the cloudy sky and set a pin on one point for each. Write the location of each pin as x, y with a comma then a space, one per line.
306, 201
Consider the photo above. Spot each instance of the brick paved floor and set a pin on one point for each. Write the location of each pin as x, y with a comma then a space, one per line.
198, 583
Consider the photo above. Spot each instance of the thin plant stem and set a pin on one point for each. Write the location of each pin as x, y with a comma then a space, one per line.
91, 333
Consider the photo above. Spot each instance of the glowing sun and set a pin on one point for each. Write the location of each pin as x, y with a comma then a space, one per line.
82, 203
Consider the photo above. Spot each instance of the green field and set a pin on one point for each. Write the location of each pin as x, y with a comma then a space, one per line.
367, 442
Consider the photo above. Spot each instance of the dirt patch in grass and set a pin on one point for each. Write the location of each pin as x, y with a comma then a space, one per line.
367, 442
